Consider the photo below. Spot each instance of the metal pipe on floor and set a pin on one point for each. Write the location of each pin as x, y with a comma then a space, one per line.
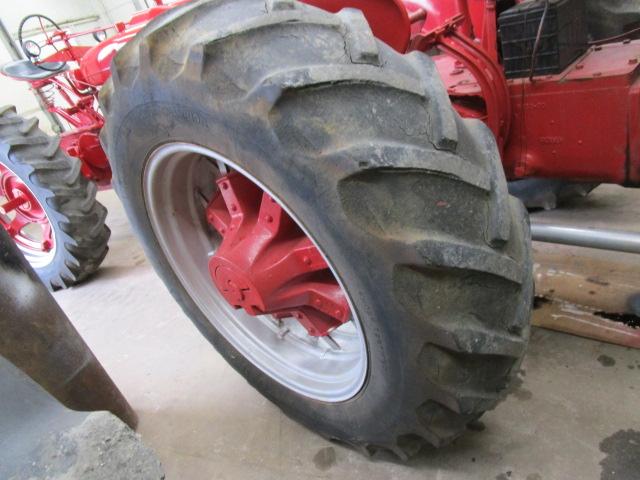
613, 240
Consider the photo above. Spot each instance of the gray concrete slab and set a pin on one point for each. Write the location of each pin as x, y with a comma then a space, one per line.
574, 415
43, 440
608, 206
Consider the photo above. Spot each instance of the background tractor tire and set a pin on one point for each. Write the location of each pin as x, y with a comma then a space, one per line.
408, 201
69, 201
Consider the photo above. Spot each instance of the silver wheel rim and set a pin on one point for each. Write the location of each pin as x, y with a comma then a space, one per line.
178, 180
37, 258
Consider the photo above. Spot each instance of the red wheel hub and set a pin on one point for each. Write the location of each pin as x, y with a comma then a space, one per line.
21, 208
266, 264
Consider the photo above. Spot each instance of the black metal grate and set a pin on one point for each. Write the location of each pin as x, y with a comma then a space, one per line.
564, 36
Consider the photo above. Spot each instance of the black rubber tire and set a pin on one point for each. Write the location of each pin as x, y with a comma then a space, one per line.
548, 193
68, 199
409, 201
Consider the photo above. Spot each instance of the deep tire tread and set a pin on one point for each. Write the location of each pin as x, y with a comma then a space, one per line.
465, 348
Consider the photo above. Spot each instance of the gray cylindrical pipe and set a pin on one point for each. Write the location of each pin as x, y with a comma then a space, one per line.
37, 337
614, 240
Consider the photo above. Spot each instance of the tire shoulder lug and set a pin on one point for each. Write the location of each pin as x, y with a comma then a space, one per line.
361, 44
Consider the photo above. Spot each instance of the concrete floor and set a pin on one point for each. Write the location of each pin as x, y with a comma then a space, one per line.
574, 415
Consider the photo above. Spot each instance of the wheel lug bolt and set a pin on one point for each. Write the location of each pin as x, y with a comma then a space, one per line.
234, 208
225, 186
306, 260
269, 218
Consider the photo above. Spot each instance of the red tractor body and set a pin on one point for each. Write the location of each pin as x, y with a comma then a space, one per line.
72, 94
582, 124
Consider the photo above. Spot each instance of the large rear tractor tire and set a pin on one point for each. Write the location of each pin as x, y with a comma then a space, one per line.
47, 206
225, 114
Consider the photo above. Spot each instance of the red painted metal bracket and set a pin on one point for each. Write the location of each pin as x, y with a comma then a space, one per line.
266, 265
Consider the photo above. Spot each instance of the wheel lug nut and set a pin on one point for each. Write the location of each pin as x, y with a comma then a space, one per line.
269, 218
306, 260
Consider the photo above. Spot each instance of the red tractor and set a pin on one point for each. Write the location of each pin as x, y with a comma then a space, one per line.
48, 185
322, 185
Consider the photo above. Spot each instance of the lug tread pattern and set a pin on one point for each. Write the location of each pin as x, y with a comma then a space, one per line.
363, 47
444, 128
452, 254
376, 155
469, 348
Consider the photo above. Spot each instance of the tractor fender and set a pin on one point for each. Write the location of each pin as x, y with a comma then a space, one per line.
388, 19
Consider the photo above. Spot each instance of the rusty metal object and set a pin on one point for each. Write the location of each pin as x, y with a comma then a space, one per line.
587, 292
38, 338
583, 322
599, 280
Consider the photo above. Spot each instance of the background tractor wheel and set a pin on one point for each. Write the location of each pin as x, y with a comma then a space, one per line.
298, 128
47, 206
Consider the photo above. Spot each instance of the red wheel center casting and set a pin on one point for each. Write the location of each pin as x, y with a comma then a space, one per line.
19, 201
266, 265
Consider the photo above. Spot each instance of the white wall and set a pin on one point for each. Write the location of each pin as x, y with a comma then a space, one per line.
12, 11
